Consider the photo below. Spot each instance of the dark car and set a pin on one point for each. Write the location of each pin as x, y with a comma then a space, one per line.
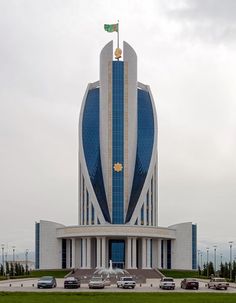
47, 282
71, 282
189, 284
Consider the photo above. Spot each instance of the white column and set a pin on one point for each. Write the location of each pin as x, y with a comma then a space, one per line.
77, 253
129, 255
139, 218
84, 254
103, 252
144, 253
88, 265
85, 206
90, 213
148, 253
149, 208
145, 212
159, 253
98, 252
73, 253
134, 253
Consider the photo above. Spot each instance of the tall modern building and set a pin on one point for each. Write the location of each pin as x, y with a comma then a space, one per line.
118, 183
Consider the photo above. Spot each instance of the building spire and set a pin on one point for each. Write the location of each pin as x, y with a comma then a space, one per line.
114, 28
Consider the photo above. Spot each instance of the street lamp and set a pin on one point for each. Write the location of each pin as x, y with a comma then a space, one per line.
201, 260
230, 257
198, 257
3, 269
207, 249
26, 260
215, 246
13, 253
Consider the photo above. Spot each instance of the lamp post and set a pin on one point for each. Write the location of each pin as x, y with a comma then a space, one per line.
13, 259
3, 269
13, 253
198, 257
230, 259
201, 260
207, 249
26, 260
215, 246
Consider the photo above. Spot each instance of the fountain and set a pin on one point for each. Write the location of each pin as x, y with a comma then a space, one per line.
111, 272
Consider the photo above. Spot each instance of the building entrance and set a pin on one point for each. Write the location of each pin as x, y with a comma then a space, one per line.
117, 253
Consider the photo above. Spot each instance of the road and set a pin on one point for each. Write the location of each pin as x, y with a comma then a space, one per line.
152, 285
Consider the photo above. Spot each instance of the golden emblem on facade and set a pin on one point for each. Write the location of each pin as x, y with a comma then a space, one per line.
118, 53
118, 167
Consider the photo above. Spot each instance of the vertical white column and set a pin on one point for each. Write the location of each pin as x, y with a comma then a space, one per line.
159, 253
144, 253
149, 208
145, 212
73, 253
77, 253
98, 252
148, 253
103, 252
84, 254
134, 253
88, 265
129, 255
90, 213
85, 206
139, 218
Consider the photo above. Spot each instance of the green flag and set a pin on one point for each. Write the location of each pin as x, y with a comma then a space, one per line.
111, 27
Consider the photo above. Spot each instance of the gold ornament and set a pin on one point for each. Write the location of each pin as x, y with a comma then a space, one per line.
118, 53
118, 167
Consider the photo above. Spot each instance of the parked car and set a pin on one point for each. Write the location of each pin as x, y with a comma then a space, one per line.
218, 283
189, 284
167, 283
126, 282
107, 282
71, 282
96, 282
47, 282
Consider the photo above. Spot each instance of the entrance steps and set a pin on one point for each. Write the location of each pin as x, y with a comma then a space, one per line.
139, 275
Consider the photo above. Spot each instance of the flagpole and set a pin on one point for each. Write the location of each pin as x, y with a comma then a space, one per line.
118, 34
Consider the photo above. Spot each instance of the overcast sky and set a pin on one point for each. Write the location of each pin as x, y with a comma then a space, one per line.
49, 52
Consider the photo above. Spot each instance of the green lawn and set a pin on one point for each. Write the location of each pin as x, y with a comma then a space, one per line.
19, 297
179, 274
57, 273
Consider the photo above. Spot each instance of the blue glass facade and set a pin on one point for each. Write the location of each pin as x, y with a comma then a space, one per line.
37, 243
117, 252
91, 146
144, 147
118, 141
194, 246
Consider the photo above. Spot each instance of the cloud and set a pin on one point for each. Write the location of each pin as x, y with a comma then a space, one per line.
209, 20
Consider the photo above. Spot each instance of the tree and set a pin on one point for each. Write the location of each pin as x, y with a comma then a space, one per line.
211, 269
7, 268
1, 270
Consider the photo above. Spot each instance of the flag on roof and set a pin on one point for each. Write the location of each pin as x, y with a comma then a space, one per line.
111, 27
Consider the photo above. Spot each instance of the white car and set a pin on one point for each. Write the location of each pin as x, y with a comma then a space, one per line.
96, 282
126, 282
218, 283
167, 283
